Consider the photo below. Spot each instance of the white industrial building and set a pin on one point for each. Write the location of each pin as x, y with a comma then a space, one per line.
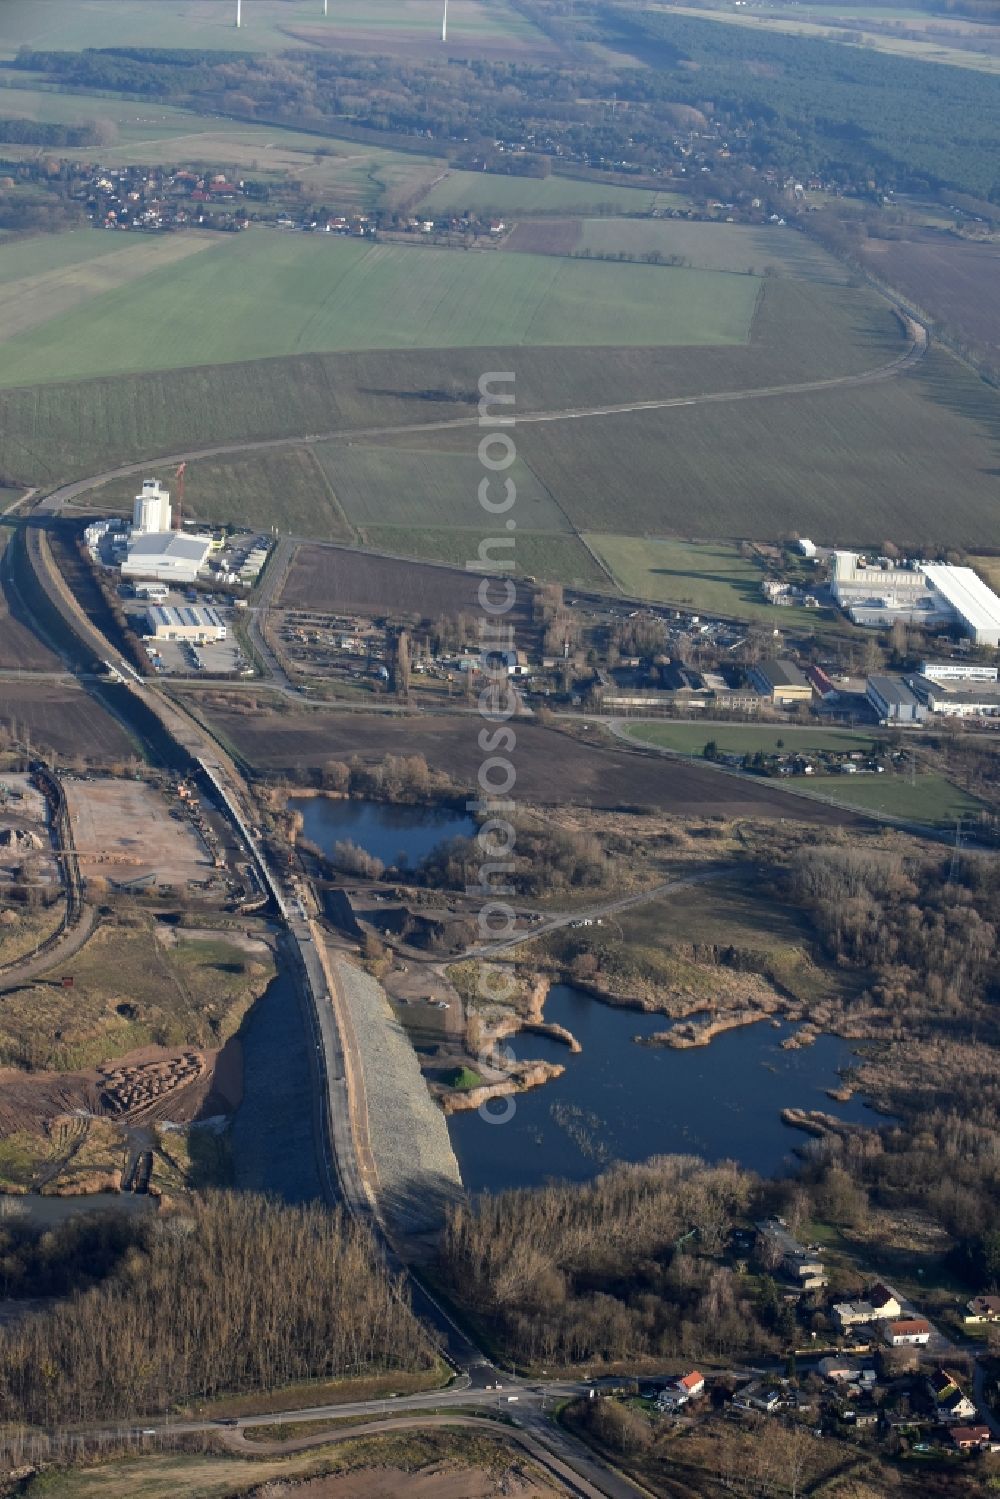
151, 510
966, 700
858, 579
975, 607
879, 591
958, 671
192, 625
169, 556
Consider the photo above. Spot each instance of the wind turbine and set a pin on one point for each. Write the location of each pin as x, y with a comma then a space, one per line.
326, 7
239, 14
444, 23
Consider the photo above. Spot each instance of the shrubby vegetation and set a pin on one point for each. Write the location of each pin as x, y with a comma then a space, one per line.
544, 860
240, 1294
395, 778
570, 1273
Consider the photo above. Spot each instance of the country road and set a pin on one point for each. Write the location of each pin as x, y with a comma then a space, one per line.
916, 348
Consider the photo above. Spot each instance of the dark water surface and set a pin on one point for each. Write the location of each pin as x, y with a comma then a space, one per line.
620, 1101
381, 828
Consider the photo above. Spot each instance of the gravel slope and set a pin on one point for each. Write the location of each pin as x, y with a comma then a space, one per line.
417, 1169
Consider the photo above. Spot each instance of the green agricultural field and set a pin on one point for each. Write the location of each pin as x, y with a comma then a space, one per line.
845, 30
75, 428
743, 248
846, 465
268, 25
106, 262
988, 569
747, 739
547, 557
392, 486
487, 192
708, 576
135, 122
264, 293
930, 798
43, 253
287, 489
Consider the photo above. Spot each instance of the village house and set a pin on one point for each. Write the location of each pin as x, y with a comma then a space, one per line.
757, 1396
800, 1264
908, 1332
983, 1309
882, 1305
971, 1438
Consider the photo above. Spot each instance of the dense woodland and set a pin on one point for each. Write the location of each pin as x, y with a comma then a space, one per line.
571, 1273
239, 1293
792, 104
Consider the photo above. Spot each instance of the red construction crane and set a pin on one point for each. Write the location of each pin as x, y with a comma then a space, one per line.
179, 511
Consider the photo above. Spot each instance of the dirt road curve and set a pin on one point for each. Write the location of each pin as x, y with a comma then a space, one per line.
611, 1485
917, 343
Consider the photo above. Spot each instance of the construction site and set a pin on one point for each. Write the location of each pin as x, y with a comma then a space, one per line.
134, 836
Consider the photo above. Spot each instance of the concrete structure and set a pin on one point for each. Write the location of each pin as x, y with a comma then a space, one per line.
858, 579
781, 681
169, 556
839, 1370
974, 605
893, 701
807, 547
958, 671
157, 593
196, 626
151, 510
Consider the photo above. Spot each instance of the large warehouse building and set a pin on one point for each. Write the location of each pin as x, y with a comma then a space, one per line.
975, 607
877, 591
168, 556
195, 626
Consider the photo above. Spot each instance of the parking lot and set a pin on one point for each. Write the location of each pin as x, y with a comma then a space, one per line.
183, 658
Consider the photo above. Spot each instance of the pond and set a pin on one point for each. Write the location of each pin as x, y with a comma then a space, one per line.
620, 1101
383, 829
